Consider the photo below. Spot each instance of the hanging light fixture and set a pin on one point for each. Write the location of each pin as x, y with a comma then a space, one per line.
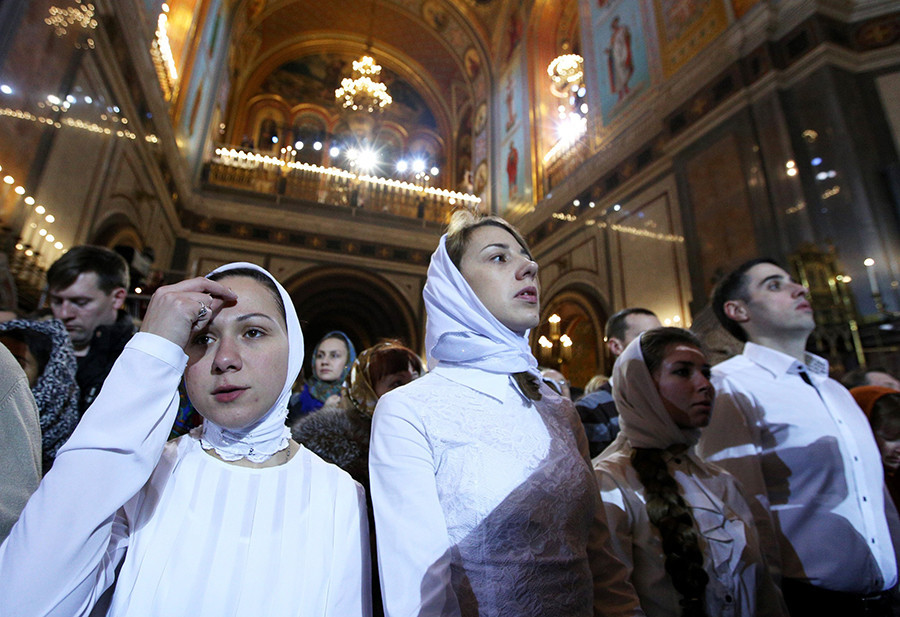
364, 91
566, 74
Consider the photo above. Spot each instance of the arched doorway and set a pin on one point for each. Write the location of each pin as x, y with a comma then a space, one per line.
358, 302
570, 336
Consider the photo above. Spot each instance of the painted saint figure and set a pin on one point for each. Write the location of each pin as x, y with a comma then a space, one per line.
619, 59
512, 169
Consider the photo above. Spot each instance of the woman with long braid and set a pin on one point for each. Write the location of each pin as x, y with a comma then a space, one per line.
679, 524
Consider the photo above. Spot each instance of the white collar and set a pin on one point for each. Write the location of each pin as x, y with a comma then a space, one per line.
493, 385
779, 363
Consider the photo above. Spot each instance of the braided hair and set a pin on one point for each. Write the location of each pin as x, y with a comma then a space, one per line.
666, 508
672, 516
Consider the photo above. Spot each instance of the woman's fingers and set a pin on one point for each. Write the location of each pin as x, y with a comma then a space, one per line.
176, 310
202, 285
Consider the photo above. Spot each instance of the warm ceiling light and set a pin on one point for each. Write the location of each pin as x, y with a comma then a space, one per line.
363, 91
565, 71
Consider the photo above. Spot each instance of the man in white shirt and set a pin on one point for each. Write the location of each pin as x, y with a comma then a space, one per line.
803, 451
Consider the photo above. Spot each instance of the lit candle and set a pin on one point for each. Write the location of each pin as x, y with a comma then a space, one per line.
869, 263
554, 320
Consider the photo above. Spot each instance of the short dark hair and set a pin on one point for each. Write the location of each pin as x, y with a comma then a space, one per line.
110, 267
733, 286
618, 323
885, 414
655, 342
39, 344
855, 378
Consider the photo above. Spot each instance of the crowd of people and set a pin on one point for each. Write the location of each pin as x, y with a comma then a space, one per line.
468, 484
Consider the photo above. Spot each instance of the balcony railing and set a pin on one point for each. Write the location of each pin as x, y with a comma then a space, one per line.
563, 159
261, 173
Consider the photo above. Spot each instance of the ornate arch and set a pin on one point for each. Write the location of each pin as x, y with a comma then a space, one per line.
362, 303
583, 313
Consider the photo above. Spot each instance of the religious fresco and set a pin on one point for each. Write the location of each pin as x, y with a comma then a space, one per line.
512, 35
514, 108
685, 27
205, 58
741, 7
620, 52
472, 63
435, 15
464, 168
514, 154
313, 79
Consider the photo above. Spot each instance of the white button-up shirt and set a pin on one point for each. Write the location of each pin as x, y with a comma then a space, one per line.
802, 447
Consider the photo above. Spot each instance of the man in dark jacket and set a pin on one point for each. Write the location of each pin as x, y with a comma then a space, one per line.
87, 288
597, 410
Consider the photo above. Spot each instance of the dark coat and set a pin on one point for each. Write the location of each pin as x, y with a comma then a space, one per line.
107, 344
338, 437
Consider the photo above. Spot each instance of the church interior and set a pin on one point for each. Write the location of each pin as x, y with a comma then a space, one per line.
643, 148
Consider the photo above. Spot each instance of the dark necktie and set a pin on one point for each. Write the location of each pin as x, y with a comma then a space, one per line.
529, 384
805, 377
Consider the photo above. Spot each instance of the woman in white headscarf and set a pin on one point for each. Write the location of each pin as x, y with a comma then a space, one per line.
484, 499
234, 518
679, 524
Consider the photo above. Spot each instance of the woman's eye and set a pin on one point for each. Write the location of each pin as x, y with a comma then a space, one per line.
201, 339
254, 333
499, 258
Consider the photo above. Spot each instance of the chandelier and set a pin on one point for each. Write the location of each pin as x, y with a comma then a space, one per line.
566, 73
363, 91
558, 348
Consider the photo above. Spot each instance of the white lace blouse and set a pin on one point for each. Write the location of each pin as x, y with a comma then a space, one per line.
195, 536
484, 502
739, 582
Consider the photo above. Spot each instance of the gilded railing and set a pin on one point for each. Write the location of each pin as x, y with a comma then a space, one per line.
261, 173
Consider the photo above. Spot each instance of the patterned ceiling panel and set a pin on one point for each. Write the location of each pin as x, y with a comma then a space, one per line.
426, 33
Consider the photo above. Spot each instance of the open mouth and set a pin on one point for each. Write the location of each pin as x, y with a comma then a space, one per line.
529, 294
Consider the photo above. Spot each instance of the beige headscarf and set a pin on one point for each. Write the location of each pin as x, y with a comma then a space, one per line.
643, 418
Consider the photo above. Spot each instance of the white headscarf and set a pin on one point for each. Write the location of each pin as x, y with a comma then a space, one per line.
643, 418
268, 435
461, 331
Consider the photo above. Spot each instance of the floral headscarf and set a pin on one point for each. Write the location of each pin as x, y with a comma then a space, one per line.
56, 391
321, 390
358, 389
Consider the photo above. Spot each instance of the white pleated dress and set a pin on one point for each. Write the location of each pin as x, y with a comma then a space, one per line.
194, 535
